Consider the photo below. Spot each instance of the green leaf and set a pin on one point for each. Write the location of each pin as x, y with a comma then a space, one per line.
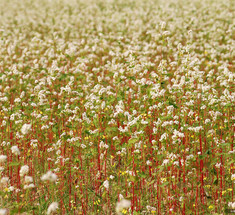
164, 184
132, 178
208, 152
87, 132
14, 164
142, 175
54, 129
132, 140
215, 181
214, 171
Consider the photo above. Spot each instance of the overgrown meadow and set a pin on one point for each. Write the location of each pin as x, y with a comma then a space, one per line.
117, 107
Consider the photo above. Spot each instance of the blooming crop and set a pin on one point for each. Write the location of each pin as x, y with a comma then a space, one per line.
117, 106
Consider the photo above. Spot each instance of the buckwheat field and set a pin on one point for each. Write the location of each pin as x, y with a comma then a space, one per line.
117, 107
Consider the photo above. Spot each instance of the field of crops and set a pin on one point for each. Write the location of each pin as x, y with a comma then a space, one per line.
117, 107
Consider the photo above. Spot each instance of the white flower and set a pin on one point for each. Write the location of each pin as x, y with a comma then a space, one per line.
28, 179
11, 188
25, 128
181, 198
4, 180
49, 176
3, 158
106, 184
165, 162
111, 177
24, 170
233, 177
121, 196
29, 186
83, 146
124, 203
148, 162
52, 207
231, 205
149, 208
3, 211
15, 150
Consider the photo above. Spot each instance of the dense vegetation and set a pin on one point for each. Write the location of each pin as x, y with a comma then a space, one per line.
117, 107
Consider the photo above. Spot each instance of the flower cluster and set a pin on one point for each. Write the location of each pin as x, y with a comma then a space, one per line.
102, 99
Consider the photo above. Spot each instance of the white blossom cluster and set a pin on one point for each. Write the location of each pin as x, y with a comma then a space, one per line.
136, 97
